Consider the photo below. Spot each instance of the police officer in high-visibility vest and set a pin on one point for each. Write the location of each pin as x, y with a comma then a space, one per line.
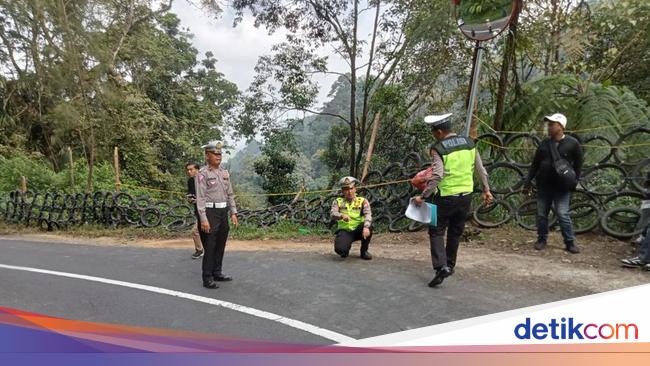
449, 186
353, 217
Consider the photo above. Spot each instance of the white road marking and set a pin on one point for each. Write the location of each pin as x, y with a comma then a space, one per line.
340, 338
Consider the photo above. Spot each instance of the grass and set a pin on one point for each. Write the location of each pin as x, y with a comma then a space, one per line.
283, 230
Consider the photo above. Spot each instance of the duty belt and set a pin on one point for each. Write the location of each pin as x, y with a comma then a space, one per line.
459, 194
216, 204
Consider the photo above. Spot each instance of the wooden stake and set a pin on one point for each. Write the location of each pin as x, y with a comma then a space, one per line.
371, 146
71, 167
116, 163
299, 195
23, 183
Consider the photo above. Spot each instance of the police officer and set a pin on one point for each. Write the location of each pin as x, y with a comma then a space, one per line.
214, 202
353, 217
449, 186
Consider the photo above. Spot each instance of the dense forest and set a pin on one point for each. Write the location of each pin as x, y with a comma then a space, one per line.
79, 78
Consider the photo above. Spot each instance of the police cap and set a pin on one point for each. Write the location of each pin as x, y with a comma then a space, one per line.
213, 146
437, 120
348, 182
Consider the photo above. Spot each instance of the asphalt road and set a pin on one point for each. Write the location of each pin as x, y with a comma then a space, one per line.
351, 297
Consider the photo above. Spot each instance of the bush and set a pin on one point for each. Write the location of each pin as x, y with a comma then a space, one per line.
40, 175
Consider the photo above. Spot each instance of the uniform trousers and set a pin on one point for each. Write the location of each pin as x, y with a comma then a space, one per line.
452, 213
196, 236
344, 239
214, 242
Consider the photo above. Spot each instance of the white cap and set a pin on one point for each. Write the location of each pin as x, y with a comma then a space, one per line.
213, 146
557, 117
435, 120
348, 182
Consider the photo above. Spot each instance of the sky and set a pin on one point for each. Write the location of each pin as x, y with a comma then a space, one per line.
238, 48
235, 48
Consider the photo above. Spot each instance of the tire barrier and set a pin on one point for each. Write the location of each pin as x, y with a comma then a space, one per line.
52, 211
608, 195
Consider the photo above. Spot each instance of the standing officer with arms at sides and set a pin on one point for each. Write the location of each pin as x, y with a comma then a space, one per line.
353, 217
450, 185
551, 189
215, 202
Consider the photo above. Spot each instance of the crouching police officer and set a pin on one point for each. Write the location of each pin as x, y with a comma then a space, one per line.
354, 218
214, 201
454, 159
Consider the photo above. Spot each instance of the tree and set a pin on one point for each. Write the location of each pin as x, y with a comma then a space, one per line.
585, 103
619, 43
95, 74
330, 25
276, 165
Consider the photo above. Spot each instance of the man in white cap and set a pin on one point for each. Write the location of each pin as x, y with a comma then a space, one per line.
353, 217
551, 189
454, 160
214, 202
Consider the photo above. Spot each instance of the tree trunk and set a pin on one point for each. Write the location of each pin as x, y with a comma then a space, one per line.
353, 93
371, 146
367, 86
91, 163
508, 58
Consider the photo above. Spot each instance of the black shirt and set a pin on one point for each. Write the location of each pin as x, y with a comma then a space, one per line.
191, 193
191, 187
542, 169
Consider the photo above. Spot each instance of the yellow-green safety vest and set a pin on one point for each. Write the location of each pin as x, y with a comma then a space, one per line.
353, 210
458, 155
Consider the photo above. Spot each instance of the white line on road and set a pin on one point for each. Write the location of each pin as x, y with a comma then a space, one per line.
244, 309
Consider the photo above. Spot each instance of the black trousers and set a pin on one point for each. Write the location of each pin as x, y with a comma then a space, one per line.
452, 213
214, 242
344, 239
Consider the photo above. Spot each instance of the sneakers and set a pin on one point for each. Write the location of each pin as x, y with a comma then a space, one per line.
366, 255
198, 254
635, 262
540, 245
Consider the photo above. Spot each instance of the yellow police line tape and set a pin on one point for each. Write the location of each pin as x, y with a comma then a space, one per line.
580, 130
583, 145
274, 194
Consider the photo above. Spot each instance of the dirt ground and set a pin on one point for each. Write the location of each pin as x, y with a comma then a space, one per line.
505, 255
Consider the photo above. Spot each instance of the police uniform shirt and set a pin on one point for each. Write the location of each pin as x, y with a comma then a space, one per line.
365, 211
214, 186
439, 172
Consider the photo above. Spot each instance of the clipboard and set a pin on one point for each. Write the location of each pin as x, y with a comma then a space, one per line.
426, 213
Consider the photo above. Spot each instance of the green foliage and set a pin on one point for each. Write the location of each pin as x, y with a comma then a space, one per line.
101, 74
247, 184
41, 177
619, 45
586, 105
282, 230
276, 165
